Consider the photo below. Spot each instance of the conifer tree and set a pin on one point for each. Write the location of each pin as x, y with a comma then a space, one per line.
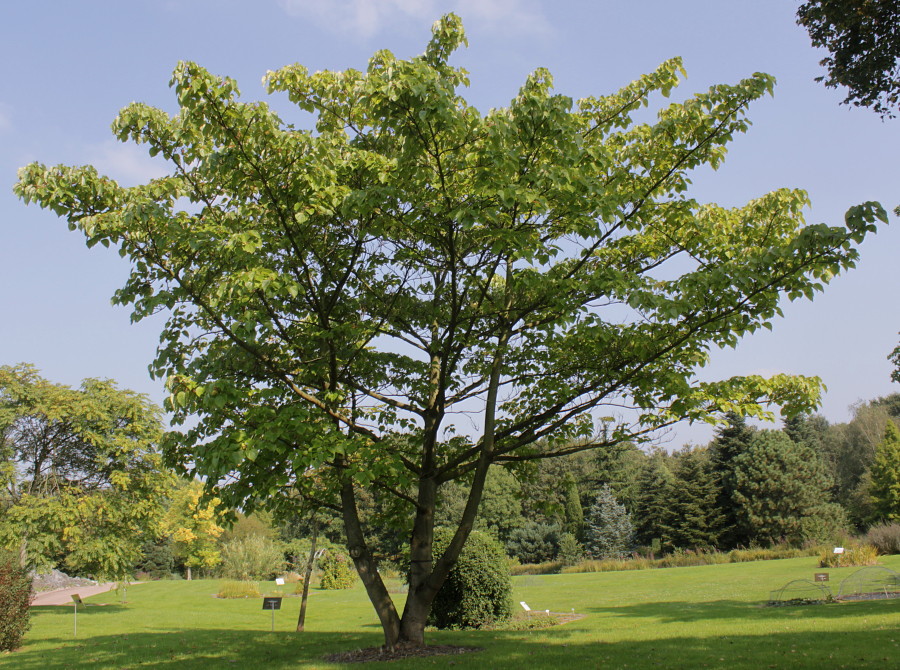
778, 485
731, 441
651, 506
609, 530
885, 490
693, 519
574, 522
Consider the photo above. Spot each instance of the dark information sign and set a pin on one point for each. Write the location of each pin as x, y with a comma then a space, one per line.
821, 576
272, 603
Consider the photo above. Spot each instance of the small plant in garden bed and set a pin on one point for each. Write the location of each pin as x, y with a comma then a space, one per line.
238, 589
853, 556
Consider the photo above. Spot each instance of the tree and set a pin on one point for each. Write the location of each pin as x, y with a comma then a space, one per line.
732, 439
864, 45
83, 480
692, 519
650, 509
849, 450
609, 529
778, 484
194, 528
339, 298
574, 514
885, 487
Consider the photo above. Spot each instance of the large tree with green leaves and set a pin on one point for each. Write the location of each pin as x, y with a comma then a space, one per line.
83, 481
863, 41
885, 488
340, 298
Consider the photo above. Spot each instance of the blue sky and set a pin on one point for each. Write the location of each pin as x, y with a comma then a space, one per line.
68, 67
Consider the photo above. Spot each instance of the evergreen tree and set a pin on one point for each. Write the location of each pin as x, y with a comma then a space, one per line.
693, 519
650, 510
807, 429
730, 442
885, 488
778, 484
620, 467
574, 522
609, 530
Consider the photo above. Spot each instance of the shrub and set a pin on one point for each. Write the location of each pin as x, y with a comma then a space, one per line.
252, 557
337, 571
15, 603
238, 589
534, 542
828, 523
570, 549
853, 556
678, 558
478, 589
885, 538
610, 565
157, 560
548, 568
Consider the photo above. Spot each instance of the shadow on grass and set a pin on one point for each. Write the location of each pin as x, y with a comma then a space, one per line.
688, 612
86, 610
189, 649
246, 649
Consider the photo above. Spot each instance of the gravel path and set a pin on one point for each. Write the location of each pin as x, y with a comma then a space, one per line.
64, 596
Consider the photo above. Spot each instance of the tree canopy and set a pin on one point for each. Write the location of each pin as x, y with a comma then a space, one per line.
413, 290
81, 472
885, 489
863, 41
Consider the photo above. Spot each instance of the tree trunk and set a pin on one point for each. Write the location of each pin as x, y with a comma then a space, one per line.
365, 566
187, 573
301, 620
421, 592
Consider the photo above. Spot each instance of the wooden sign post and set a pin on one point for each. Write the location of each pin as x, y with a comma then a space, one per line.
76, 601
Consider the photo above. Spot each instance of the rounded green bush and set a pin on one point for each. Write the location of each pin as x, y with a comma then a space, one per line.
337, 572
478, 589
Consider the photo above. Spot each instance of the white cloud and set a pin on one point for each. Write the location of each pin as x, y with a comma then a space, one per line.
129, 164
365, 18
360, 17
518, 17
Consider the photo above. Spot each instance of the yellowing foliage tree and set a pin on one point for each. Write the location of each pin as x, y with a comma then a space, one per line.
83, 482
193, 526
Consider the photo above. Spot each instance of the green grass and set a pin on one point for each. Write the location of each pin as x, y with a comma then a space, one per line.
710, 616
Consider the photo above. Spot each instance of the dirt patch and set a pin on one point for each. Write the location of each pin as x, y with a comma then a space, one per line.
371, 654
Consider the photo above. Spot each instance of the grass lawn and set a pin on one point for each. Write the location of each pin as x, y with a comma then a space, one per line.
699, 617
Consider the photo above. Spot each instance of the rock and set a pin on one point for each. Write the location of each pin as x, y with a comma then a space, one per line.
55, 579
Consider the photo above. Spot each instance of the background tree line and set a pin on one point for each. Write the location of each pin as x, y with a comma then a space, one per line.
85, 490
